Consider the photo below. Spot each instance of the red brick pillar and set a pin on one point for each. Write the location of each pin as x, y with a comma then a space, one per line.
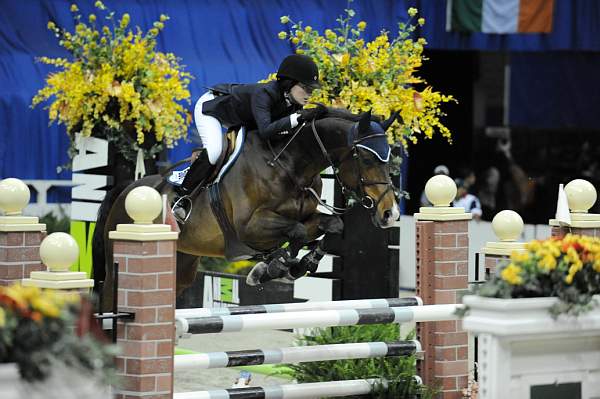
442, 273
147, 262
561, 231
580, 196
442, 251
20, 236
508, 227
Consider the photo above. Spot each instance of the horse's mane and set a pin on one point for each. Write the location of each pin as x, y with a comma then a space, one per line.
343, 113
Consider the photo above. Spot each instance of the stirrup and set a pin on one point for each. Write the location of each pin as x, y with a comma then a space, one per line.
177, 206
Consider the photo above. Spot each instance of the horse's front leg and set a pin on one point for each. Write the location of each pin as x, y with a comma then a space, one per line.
271, 227
282, 262
317, 225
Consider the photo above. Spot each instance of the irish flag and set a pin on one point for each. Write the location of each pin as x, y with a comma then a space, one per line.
500, 16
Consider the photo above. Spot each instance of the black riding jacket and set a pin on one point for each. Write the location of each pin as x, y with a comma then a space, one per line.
261, 105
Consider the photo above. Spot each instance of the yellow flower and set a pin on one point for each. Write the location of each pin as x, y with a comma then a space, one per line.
329, 34
74, 8
92, 18
308, 29
510, 274
361, 25
412, 12
284, 20
51, 25
125, 20
282, 35
163, 17
99, 5
421, 21
295, 40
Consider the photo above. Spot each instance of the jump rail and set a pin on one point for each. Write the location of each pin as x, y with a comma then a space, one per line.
300, 306
289, 391
296, 354
315, 318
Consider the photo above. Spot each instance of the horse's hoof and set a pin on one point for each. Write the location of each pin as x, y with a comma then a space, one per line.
258, 272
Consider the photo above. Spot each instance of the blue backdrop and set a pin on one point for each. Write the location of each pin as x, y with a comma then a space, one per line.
236, 41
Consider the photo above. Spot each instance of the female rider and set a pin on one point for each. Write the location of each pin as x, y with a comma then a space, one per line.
272, 108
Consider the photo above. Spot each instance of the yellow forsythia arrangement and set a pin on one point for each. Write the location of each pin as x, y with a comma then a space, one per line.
117, 85
568, 268
379, 75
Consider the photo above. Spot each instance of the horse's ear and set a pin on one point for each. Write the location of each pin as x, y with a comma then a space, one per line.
364, 122
388, 122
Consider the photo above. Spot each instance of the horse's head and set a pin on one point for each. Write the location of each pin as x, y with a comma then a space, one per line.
364, 170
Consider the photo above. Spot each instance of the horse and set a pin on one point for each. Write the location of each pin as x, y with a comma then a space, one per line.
270, 196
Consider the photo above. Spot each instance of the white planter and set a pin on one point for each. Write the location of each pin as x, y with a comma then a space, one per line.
63, 383
9, 378
521, 348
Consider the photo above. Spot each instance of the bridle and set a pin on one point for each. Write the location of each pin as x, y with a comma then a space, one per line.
353, 195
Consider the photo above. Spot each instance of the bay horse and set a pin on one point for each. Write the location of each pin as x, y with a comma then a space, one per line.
270, 196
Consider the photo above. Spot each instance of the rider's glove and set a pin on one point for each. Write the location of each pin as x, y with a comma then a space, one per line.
307, 115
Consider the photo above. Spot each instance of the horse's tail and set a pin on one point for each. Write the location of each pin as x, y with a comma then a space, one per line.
98, 250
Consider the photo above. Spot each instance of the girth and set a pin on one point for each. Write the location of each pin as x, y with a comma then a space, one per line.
235, 249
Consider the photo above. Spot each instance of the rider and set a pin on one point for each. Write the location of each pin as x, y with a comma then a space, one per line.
273, 108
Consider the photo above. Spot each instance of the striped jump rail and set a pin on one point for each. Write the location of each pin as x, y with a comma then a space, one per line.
314, 390
316, 318
301, 306
296, 354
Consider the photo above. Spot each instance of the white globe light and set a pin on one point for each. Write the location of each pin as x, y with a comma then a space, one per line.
440, 190
59, 251
143, 204
508, 225
581, 195
14, 196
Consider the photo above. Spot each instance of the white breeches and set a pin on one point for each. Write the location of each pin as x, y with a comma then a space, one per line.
209, 128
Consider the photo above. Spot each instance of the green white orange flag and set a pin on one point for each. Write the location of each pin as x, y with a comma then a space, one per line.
500, 16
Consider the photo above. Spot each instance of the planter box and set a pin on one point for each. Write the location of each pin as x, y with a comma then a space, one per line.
62, 383
525, 353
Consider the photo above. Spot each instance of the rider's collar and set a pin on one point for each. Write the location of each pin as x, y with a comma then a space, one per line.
377, 145
288, 100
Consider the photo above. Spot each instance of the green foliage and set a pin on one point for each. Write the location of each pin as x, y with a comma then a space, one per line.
398, 371
60, 223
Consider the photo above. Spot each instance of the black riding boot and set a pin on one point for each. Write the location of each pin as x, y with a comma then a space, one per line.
197, 175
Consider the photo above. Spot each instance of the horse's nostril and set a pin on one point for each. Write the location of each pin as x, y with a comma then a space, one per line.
387, 214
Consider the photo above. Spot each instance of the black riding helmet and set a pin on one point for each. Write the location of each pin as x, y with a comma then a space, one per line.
299, 68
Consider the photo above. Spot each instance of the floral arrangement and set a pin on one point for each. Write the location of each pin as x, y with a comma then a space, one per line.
37, 332
568, 268
379, 75
117, 86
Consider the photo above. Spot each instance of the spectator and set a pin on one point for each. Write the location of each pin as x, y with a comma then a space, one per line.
468, 176
438, 170
465, 200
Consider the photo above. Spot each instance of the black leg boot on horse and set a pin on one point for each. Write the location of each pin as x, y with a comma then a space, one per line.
200, 170
277, 266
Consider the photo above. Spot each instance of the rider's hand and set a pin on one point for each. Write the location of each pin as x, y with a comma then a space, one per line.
307, 115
